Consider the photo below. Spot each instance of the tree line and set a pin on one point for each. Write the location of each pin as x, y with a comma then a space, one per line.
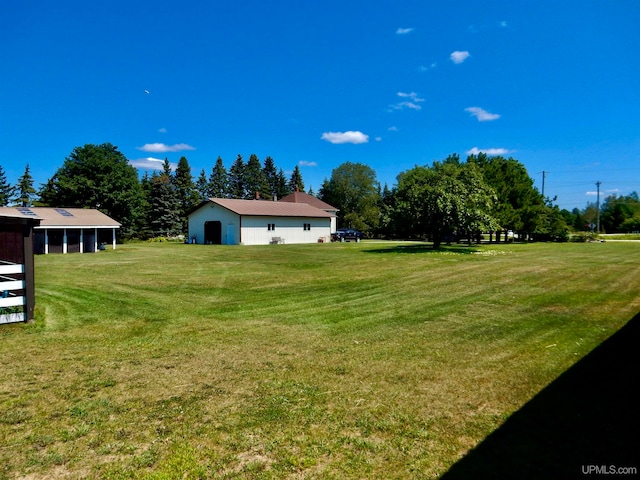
442, 201
101, 177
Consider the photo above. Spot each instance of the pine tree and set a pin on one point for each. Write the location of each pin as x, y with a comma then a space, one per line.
26, 192
185, 191
164, 206
202, 185
256, 181
237, 182
6, 190
166, 168
219, 181
282, 187
271, 176
296, 182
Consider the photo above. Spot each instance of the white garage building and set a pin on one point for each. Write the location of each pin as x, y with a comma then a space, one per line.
225, 221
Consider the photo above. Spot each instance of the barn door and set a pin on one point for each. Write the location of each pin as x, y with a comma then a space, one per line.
213, 233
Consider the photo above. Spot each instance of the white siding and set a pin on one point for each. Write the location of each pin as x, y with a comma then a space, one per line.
210, 212
254, 228
291, 229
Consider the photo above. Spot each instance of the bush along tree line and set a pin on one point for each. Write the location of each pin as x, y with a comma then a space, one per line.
446, 200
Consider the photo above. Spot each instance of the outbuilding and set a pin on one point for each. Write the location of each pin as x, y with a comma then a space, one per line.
17, 284
302, 197
225, 221
68, 230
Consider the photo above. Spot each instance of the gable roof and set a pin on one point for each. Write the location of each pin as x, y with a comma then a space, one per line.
266, 208
301, 197
62, 217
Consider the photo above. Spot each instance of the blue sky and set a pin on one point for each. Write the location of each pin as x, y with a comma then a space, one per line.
392, 84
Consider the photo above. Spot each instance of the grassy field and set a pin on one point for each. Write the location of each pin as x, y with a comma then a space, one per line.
369, 360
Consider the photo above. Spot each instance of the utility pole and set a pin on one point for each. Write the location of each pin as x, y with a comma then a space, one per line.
598, 206
544, 175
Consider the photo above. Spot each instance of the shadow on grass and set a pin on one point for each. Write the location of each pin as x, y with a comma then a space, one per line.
426, 248
582, 425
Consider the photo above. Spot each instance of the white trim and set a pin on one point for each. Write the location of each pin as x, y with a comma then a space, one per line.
11, 284
11, 268
44, 227
12, 302
13, 317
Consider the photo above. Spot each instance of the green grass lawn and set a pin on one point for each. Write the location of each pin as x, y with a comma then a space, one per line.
370, 360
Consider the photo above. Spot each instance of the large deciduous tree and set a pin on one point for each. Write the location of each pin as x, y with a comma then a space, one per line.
519, 205
445, 199
354, 190
97, 176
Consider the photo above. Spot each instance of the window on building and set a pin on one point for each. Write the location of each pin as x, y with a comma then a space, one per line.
271, 226
307, 226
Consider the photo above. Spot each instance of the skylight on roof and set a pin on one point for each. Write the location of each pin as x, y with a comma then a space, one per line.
63, 212
26, 211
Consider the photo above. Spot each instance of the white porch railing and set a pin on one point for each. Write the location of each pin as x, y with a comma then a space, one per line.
9, 300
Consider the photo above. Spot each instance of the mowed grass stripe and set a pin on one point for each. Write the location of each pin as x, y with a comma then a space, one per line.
320, 361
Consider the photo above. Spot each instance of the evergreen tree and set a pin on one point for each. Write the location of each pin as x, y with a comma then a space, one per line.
219, 181
237, 182
166, 169
202, 186
282, 186
24, 189
296, 182
164, 207
271, 176
6, 190
185, 191
256, 181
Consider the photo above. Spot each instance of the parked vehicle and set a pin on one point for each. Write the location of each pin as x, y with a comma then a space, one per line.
346, 235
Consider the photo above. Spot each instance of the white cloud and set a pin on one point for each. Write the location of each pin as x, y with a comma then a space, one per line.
345, 137
504, 24
378, 139
162, 148
393, 128
424, 68
412, 103
404, 31
162, 130
488, 151
459, 57
306, 163
481, 114
148, 163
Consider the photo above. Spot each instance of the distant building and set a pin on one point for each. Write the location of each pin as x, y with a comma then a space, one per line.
301, 197
225, 221
67, 230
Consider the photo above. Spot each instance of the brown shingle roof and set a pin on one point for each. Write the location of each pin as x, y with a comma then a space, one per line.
301, 197
266, 208
62, 217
